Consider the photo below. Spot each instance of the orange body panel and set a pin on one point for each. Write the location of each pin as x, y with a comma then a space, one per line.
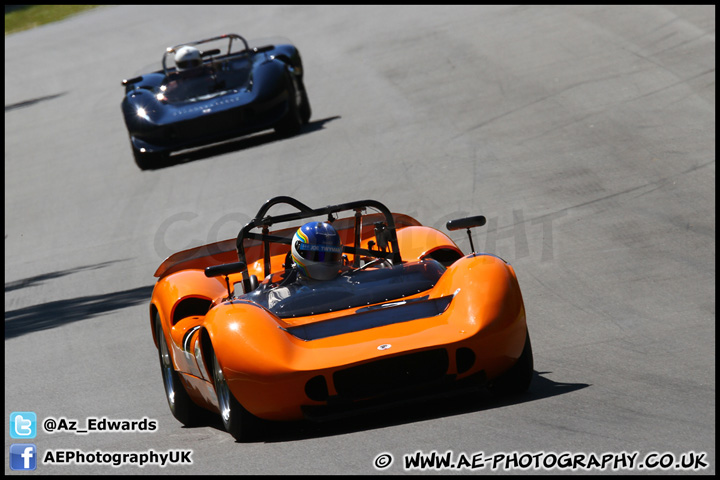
268, 368
418, 242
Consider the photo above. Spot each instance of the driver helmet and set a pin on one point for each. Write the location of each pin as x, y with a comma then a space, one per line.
187, 57
317, 251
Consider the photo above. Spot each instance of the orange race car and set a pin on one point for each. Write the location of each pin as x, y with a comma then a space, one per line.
357, 308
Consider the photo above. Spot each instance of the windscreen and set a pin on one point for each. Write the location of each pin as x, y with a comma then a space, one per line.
351, 289
212, 79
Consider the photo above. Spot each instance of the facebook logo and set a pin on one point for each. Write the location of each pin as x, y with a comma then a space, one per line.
23, 456
23, 425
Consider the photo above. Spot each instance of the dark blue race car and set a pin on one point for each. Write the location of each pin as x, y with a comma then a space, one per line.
213, 94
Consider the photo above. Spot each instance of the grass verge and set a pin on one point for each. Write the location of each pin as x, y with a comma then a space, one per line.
25, 17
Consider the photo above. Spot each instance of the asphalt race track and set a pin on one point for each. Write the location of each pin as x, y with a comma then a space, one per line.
585, 134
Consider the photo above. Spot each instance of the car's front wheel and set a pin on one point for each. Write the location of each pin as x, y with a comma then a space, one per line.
240, 423
149, 160
181, 406
517, 379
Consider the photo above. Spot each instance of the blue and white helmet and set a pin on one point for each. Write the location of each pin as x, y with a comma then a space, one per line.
317, 251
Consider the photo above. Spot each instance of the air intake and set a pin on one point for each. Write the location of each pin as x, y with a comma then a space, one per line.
464, 359
391, 374
316, 389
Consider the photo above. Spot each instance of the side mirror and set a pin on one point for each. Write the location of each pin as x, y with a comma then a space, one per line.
468, 223
226, 269
214, 51
130, 81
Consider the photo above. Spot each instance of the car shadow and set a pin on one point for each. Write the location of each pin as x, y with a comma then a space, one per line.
31, 102
411, 412
62, 312
42, 278
418, 411
240, 143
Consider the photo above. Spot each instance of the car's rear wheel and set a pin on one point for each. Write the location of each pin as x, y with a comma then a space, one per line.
291, 123
517, 379
240, 423
181, 406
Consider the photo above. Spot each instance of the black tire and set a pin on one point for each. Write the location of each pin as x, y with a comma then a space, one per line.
292, 122
182, 407
516, 380
240, 423
147, 160
305, 110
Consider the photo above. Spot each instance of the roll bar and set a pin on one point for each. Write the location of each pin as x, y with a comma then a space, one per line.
229, 36
385, 234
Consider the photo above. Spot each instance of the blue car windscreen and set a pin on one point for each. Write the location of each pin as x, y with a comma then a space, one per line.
349, 290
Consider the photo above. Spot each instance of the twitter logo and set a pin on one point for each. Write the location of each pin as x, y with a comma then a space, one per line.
23, 425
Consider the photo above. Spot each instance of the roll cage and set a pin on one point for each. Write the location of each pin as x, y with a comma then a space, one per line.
385, 234
229, 36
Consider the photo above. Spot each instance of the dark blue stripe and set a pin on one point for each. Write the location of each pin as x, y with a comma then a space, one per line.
371, 317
